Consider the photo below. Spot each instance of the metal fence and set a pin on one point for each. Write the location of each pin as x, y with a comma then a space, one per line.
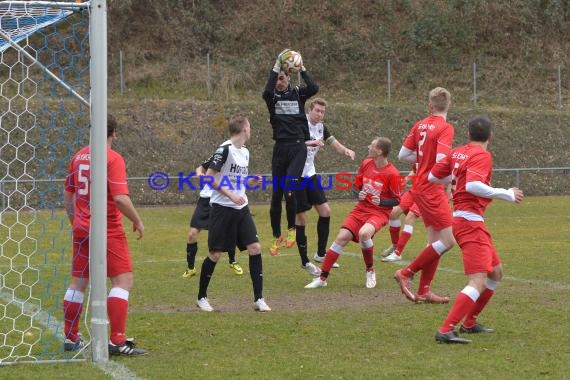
533, 181
477, 84
45, 193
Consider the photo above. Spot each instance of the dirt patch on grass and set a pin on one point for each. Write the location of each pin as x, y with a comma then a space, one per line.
312, 300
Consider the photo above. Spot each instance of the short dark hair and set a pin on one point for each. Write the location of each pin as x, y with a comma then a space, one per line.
480, 127
384, 144
111, 125
237, 123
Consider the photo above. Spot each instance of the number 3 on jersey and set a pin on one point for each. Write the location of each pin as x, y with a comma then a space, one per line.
83, 178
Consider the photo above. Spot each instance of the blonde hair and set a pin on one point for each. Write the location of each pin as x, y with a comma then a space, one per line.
440, 99
319, 101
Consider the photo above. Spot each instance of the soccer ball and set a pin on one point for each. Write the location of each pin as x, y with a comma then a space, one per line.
292, 61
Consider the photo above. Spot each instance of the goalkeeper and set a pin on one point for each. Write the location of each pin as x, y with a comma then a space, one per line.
286, 105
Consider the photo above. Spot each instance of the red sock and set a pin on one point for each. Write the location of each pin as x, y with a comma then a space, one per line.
72, 315
330, 258
423, 259
482, 301
402, 241
117, 309
394, 234
428, 273
368, 256
460, 308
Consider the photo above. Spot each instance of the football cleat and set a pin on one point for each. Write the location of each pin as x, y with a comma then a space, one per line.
189, 272
431, 298
236, 268
291, 237
476, 329
450, 337
276, 246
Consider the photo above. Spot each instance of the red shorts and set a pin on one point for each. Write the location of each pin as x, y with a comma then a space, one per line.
407, 204
118, 256
434, 207
478, 251
378, 217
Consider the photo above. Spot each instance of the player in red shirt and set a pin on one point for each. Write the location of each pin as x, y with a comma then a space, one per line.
409, 208
380, 186
428, 142
119, 264
469, 169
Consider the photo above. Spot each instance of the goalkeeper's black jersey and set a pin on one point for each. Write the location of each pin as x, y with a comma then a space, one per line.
287, 108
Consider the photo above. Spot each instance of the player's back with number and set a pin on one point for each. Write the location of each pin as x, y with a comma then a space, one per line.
467, 163
429, 138
79, 182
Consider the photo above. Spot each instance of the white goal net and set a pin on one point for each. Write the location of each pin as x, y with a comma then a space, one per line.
44, 119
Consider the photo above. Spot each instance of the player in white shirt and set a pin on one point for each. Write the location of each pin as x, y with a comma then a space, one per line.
231, 223
310, 192
199, 222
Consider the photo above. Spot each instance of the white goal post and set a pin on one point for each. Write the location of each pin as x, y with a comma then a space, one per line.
53, 101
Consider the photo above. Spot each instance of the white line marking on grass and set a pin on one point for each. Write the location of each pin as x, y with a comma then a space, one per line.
554, 285
550, 284
117, 371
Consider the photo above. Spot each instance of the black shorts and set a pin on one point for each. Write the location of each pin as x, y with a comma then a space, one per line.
310, 193
288, 161
201, 215
229, 228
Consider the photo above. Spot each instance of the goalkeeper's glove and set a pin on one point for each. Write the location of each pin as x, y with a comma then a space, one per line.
280, 59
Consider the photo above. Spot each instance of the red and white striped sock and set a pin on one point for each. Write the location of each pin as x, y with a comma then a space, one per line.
482, 301
72, 308
367, 248
463, 303
117, 308
405, 236
330, 258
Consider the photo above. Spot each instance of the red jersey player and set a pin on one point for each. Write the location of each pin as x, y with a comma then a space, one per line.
380, 187
469, 169
428, 142
409, 208
119, 265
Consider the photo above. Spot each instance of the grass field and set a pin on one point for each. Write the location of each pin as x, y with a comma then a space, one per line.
343, 331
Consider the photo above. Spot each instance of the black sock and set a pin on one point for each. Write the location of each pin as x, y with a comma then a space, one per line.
323, 225
302, 244
275, 213
191, 250
290, 208
256, 273
208, 267
232, 256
